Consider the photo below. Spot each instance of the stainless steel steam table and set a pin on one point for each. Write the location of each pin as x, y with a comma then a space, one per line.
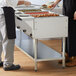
42, 28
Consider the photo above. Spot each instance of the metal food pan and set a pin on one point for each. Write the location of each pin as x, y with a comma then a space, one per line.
25, 6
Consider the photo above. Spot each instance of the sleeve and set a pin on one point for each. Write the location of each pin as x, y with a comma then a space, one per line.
12, 3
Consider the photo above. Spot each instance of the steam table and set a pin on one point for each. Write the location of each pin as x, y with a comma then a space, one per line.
41, 28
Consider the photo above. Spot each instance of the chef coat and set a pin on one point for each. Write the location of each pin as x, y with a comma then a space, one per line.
3, 3
69, 7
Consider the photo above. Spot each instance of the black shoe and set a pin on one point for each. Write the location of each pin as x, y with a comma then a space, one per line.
12, 67
1, 64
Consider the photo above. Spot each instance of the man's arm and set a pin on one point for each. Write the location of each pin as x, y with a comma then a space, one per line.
20, 2
55, 3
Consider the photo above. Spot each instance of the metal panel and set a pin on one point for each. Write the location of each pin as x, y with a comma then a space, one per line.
25, 25
51, 27
44, 53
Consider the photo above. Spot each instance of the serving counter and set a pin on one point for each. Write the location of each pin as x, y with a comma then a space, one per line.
33, 29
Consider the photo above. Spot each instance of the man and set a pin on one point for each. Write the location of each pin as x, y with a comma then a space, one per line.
7, 45
69, 9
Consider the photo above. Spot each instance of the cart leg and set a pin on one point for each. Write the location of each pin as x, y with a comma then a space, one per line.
35, 42
20, 38
63, 53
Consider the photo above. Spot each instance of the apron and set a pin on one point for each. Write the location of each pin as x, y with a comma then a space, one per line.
9, 14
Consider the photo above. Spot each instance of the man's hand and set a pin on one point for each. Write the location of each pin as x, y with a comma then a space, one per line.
75, 15
55, 3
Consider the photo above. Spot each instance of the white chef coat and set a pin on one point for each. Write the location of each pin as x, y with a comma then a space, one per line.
12, 3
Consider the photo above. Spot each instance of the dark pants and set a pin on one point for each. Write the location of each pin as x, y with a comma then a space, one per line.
71, 39
69, 7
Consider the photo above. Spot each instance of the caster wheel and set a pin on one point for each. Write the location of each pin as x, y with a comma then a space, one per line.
63, 67
35, 70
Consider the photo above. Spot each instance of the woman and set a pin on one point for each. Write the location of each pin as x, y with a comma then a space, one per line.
8, 44
69, 9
